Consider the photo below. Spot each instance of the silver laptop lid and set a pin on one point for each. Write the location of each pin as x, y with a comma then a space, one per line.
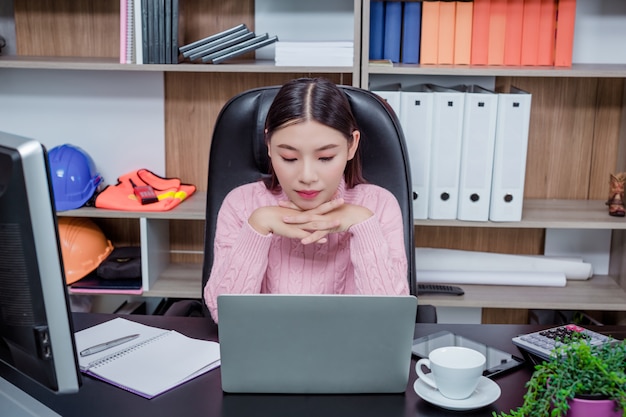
278, 343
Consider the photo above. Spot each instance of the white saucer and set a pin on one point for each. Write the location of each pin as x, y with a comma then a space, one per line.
486, 392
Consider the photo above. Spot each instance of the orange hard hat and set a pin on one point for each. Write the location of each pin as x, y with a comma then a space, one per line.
83, 247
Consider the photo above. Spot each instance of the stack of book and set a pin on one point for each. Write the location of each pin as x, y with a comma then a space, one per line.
149, 31
473, 32
335, 53
225, 45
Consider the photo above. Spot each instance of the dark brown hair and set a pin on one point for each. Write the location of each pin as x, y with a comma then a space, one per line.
316, 99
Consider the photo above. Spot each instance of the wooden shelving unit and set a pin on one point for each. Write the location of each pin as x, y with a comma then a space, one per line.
181, 280
576, 139
538, 214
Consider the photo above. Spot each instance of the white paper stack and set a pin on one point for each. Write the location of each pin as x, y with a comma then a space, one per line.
472, 267
330, 53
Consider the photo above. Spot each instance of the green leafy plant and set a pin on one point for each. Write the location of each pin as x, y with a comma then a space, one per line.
577, 370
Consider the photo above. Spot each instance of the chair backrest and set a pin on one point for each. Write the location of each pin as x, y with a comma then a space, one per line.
239, 156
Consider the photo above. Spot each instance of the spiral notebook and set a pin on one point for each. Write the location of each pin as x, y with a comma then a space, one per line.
154, 362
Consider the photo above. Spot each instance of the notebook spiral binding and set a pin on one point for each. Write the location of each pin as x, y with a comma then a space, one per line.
109, 358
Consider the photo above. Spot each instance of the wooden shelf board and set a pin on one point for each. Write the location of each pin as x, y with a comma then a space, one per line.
178, 281
538, 214
598, 293
557, 214
576, 70
268, 66
112, 64
192, 208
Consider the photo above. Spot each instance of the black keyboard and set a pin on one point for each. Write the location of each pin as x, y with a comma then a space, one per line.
439, 289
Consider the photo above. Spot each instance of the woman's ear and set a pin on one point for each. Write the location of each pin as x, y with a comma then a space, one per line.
354, 145
267, 143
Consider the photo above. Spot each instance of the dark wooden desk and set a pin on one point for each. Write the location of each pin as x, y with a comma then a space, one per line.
203, 396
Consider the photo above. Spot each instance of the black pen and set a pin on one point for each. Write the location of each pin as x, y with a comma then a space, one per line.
107, 345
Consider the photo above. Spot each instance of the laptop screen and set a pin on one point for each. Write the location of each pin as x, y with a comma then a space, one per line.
277, 343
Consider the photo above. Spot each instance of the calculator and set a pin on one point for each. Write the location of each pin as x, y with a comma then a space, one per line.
542, 343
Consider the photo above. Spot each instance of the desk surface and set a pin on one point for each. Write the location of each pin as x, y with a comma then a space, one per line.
204, 396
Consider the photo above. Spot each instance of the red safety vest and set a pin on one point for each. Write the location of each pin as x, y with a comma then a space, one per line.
121, 196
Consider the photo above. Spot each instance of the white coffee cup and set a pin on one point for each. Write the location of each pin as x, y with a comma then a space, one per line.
455, 371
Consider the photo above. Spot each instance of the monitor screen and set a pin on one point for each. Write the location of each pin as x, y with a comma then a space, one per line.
36, 333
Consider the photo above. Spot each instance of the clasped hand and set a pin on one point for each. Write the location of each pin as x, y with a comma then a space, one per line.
309, 226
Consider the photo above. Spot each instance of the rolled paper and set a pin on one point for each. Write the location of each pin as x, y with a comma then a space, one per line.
433, 259
538, 279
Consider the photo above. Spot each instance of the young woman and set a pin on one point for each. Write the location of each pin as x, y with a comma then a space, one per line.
314, 226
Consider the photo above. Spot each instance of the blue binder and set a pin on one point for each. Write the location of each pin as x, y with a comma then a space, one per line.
393, 31
377, 29
412, 31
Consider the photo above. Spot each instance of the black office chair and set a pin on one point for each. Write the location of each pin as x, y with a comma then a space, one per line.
239, 156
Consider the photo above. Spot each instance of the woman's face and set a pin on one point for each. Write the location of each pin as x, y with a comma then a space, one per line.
309, 159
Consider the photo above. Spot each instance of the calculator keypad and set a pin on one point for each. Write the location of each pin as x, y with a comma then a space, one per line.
542, 343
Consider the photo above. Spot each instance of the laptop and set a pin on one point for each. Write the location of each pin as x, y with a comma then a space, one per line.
315, 344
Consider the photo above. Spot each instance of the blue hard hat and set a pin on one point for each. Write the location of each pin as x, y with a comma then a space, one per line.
74, 176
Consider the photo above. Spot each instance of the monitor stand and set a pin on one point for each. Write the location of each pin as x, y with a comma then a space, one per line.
16, 403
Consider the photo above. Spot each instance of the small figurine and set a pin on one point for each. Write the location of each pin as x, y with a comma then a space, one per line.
616, 195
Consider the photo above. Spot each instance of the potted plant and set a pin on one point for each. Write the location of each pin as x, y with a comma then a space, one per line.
578, 371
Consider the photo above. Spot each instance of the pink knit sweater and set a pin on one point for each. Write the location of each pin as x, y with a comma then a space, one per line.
370, 258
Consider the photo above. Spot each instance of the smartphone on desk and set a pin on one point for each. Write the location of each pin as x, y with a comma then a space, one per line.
498, 361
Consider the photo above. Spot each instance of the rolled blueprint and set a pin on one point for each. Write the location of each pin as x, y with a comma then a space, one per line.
539, 279
431, 259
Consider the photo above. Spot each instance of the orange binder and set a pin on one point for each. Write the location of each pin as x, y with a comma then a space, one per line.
564, 46
530, 32
447, 20
463, 32
547, 33
513, 32
429, 42
497, 28
480, 32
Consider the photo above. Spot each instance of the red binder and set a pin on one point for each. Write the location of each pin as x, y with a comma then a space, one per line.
547, 33
530, 32
566, 16
480, 32
497, 28
447, 18
513, 32
429, 43
463, 33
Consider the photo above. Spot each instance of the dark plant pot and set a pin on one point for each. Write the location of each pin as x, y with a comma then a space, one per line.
580, 407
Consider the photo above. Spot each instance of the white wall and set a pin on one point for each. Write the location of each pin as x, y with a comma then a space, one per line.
600, 32
303, 20
116, 116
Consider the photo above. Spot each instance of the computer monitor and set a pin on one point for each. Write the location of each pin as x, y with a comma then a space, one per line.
36, 332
